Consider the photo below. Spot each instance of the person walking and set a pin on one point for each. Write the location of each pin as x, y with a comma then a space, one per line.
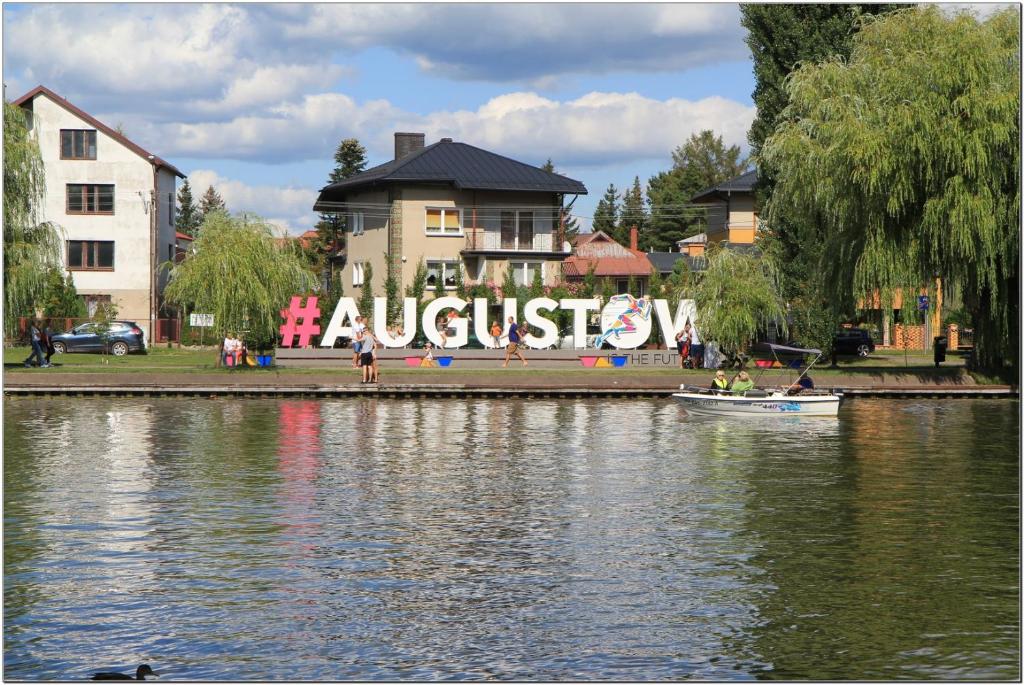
50, 349
366, 355
513, 343
35, 337
696, 349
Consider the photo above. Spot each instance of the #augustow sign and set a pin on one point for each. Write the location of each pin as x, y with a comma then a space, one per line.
626, 321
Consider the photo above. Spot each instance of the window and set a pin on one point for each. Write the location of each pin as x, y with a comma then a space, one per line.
356, 222
90, 199
87, 255
522, 272
91, 304
622, 287
357, 273
77, 144
444, 221
445, 270
517, 230
170, 208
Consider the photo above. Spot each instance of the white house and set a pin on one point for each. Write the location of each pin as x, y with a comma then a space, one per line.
115, 203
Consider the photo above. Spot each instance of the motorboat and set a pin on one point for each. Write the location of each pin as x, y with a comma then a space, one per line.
790, 399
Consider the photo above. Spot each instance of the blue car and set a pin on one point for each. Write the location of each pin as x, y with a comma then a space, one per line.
122, 338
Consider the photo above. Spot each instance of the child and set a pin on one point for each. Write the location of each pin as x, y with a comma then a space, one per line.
496, 334
428, 359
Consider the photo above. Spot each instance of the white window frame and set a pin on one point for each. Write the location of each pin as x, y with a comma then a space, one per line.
357, 274
443, 233
358, 223
446, 268
521, 263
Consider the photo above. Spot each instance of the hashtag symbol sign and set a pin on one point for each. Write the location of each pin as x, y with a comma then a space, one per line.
293, 315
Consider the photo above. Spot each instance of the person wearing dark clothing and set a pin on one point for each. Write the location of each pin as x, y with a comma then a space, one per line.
514, 334
36, 339
50, 349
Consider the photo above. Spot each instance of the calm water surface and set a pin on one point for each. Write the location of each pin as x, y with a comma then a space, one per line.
519, 539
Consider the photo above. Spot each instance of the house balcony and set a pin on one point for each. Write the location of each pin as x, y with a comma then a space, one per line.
493, 243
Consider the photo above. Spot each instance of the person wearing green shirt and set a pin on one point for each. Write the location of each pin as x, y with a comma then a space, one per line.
742, 383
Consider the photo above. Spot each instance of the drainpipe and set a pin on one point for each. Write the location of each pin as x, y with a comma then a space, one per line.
152, 258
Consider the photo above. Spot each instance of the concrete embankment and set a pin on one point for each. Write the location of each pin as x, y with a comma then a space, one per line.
513, 382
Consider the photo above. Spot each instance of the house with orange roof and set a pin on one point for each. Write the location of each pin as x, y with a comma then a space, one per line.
610, 260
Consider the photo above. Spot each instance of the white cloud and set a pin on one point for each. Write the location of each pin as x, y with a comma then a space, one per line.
595, 128
289, 208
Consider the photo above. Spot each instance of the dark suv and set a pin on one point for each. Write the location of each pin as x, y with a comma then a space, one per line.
122, 338
853, 341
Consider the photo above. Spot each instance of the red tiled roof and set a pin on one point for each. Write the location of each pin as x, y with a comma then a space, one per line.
43, 90
637, 265
181, 236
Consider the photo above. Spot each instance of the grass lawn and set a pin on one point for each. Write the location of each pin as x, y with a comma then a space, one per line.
174, 360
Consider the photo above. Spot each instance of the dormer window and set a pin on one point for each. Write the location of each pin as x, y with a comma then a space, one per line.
77, 144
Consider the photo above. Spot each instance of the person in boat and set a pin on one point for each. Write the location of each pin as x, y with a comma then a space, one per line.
742, 383
805, 382
719, 382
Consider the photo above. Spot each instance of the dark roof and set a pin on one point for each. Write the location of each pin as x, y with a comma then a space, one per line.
464, 166
96, 123
665, 262
743, 183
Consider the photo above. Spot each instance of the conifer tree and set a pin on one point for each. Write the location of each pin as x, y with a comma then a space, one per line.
211, 202
633, 212
366, 296
606, 213
188, 217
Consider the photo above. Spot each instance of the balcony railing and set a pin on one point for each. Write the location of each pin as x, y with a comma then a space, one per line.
482, 240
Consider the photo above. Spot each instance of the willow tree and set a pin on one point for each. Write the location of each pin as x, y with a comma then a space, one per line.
908, 156
737, 297
242, 274
31, 245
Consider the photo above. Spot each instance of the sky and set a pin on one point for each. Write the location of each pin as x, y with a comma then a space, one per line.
254, 98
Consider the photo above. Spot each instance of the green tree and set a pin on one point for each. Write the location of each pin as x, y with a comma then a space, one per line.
61, 299
536, 285
211, 202
701, 162
349, 160
240, 274
391, 290
572, 224
656, 289
460, 283
439, 287
781, 37
634, 213
590, 281
606, 213
187, 218
418, 287
914, 167
31, 245
631, 285
366, 296
737, 296
508, 283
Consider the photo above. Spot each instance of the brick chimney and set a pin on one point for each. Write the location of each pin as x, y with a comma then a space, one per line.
634, 237
407, 143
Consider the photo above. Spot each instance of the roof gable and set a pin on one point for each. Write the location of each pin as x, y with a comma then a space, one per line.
744, 183
464, 166
99, 125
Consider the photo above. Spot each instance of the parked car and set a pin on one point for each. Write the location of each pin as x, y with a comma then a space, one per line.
853, 341
122, 338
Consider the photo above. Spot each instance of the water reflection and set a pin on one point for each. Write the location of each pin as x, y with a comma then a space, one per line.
400, 539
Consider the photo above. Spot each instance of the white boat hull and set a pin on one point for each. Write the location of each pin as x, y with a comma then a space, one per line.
775, 404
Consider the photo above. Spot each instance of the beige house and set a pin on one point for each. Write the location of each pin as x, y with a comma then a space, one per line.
454, 206
732, 210
114, 202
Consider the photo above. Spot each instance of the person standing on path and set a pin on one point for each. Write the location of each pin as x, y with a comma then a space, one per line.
513, 343
696, 349
357, 335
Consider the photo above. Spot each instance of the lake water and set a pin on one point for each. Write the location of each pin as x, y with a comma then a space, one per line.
509, 539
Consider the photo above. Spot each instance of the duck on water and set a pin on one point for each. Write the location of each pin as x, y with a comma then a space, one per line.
140, 674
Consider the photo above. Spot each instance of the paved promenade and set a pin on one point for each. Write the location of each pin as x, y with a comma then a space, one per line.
512, 381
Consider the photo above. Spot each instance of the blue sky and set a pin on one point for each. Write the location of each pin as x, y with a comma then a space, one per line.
254, 98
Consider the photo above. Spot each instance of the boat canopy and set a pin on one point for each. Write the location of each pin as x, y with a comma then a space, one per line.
785, 349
